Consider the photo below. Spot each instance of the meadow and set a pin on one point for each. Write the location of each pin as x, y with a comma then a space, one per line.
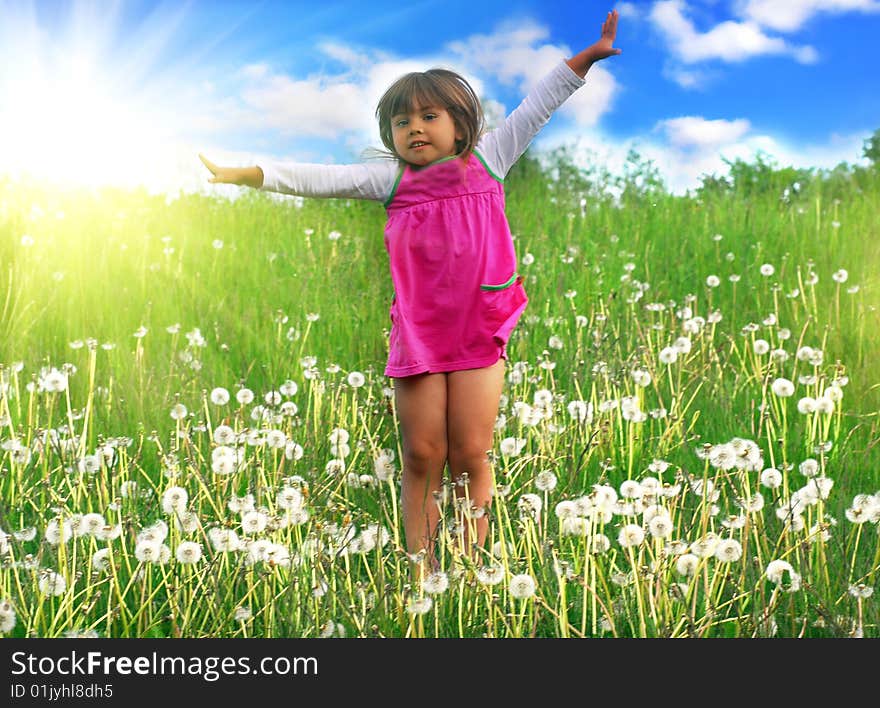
196, 438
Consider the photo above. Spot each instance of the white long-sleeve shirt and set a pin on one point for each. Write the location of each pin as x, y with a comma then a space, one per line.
500, 149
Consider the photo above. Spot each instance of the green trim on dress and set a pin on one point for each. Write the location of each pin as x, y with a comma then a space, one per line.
500, 287
492, 174
387, 202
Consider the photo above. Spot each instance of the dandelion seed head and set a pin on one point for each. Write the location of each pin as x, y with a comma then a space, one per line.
52, 584
253, 522
529, 506
148, 551
782, 387
335, 467
761, 346
641, 377
777, 570
809, 467
259, 551
573, 525
435, 583
565, 510
682, 345
668, 355
805, 353
723, 456
242, 613
174, 500
188, 552
545, 481
834, 392
728, 550
660, 526
224, 540
244, 396
580, 411
293, 451
101, 560
416, 606
522, 586
771, 478
687, 564
53, 381
28, 533
705, 547
806, 405
858, 514
338, 435
631, 535
511, 447
58, 531
490, 575
630, 489
91, 524
861, 590
289, 498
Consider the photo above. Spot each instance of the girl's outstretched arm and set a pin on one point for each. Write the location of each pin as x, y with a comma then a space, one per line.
581, 63
503, 146
242, 176
358, 181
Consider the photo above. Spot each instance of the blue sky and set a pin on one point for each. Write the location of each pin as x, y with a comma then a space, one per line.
128, 92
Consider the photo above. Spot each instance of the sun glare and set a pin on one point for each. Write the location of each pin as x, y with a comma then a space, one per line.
67, 118
65, 127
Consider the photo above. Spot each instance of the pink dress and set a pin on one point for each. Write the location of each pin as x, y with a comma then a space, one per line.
457, 296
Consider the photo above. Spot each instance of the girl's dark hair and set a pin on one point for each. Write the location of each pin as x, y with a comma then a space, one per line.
435, 87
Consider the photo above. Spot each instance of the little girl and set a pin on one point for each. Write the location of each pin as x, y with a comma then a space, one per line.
457, 295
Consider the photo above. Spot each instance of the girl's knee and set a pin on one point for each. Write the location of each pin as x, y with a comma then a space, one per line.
468, 458
424, 453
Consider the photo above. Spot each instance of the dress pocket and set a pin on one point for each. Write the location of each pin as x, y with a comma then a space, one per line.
503, 306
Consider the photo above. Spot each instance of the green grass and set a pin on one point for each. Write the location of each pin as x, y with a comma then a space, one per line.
236, 283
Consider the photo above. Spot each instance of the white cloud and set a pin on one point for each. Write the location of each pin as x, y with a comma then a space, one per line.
685, 148
344, 54
697, 132
687, 78
685, 167
728, 41
318, 108
336, 107
791, 15
510, 53
628, 10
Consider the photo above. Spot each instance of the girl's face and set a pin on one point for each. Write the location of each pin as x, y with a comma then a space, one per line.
425, 135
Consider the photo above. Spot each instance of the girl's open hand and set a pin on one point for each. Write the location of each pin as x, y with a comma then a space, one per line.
242, 176
219, 175
603, 48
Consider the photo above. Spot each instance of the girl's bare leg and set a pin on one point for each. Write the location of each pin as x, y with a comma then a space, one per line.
472, 407
421, 411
